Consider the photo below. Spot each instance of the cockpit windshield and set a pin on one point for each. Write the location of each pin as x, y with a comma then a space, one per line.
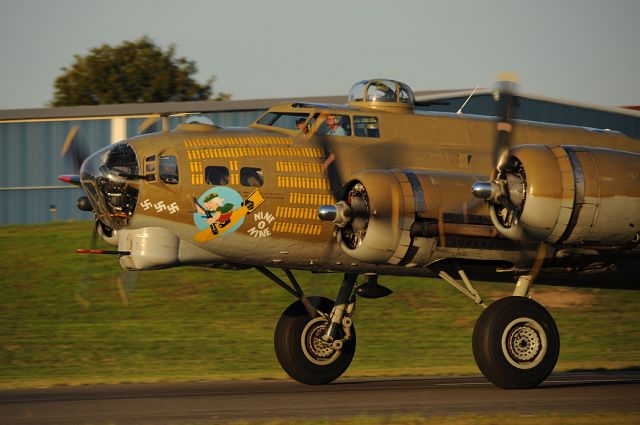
284, 120
110, 178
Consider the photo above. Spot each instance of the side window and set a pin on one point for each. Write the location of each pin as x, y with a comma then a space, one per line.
335, 125
216, 176
252, 177
169, 169
150, 168
366, 126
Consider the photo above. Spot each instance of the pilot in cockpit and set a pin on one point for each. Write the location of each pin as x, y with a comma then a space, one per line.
300, 125
333, 127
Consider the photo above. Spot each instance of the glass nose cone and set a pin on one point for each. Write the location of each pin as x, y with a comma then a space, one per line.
106, 178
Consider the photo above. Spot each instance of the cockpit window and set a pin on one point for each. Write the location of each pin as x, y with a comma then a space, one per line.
169, 169
282, 120
335, 125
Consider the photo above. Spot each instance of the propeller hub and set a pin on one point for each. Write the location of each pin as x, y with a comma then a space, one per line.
340, 213
482, 189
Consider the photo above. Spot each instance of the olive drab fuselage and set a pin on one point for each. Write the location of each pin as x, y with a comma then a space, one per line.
434, 157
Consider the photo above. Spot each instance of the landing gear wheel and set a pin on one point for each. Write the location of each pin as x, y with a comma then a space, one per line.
516, 343
300, 349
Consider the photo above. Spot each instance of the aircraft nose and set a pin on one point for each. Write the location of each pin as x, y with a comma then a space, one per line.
109, 177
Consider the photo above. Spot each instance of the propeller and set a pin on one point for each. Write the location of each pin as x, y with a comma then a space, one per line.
496, 190
506, 188
350, 211
74, 147
506, 102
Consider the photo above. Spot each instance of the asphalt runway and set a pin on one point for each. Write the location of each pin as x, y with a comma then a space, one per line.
209, 402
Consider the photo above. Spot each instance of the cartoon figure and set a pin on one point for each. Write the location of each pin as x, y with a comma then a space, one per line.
215, 216
216, 210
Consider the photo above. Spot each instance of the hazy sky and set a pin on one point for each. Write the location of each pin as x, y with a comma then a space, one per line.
581, 50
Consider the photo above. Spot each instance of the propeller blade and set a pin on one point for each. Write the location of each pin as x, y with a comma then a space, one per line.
68, 140
126, 282
73, 147
144, 126
330, 162
505, 109
82, 286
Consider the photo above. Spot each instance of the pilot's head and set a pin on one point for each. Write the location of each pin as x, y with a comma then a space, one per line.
332, 122
300, 125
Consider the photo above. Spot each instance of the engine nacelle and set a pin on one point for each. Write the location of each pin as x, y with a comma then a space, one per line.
380, 230
571, 195
384, 207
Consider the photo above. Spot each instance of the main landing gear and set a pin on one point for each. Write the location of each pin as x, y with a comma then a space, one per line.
315, 339
516, 343
515, 340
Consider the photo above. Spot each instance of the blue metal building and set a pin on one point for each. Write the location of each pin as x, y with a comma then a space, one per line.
31, 139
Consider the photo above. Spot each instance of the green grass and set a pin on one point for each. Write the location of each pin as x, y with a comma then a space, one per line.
190, 323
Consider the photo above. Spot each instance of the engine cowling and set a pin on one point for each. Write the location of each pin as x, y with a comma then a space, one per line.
570, 195
384, 210
382, 217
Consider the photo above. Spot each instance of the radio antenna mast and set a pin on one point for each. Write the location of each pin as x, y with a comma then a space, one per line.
465, 102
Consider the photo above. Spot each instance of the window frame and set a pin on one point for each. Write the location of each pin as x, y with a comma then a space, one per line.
365, 136
243, 178
219, 167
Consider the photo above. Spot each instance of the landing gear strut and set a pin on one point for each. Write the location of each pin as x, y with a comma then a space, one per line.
515, 341
315, 340
301, 349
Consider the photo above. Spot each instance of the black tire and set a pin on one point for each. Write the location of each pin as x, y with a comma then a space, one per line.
312, 364
516, 343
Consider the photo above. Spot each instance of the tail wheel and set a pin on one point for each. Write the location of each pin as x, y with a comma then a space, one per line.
302, 352
516, 343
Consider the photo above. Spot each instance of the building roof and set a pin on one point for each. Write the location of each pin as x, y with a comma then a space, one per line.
431, 97
146, 109
166, 108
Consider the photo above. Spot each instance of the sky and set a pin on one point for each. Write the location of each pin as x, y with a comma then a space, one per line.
579, 50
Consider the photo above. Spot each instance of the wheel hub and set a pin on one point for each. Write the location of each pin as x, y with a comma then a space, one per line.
524, 343
314, 347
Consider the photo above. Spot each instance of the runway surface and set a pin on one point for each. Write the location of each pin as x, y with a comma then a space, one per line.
206, 402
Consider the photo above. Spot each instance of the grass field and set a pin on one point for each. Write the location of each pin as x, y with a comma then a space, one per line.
189, 323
